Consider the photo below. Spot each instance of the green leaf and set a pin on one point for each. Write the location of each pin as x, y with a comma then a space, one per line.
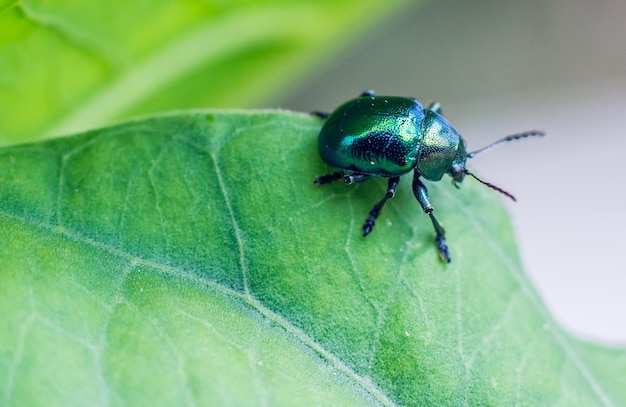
189, 259
68, 66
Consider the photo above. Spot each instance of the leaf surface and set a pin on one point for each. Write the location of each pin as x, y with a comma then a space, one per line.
189, 259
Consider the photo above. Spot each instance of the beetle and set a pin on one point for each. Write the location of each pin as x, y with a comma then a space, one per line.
389, 136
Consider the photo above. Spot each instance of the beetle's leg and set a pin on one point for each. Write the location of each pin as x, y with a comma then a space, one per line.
421, 194
328, 178
351, 178
354, 178
368, 92
321, 115
435, 107
371, 219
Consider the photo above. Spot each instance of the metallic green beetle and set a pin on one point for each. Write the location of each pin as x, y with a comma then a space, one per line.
389, 136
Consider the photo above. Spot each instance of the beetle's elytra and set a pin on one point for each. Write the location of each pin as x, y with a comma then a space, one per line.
389, 136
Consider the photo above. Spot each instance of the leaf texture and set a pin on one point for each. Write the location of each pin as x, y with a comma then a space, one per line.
189, 259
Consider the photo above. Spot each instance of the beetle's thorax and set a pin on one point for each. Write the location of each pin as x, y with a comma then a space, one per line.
441, 147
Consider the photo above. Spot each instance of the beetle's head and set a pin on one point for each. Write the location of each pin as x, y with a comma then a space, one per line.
458, 170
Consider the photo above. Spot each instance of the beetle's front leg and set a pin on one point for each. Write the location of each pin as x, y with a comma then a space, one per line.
371, 219
421, 194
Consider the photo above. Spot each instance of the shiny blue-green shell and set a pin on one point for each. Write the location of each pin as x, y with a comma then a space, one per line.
390, 136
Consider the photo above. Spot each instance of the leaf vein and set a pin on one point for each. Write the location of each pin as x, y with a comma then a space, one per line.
243, 267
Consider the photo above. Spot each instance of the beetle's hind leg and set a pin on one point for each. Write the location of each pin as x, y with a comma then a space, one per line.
421, 194
351, 178
371, 219
324, 115
328, 178
321, 115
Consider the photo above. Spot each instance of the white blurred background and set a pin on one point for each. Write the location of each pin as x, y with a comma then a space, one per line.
501, 67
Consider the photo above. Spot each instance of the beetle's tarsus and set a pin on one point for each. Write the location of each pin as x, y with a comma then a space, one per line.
368, 226
443, 248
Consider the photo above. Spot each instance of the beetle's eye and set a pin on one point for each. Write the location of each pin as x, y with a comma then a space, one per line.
457, 171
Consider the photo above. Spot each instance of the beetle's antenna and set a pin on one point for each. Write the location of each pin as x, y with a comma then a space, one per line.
490, 185
506, 139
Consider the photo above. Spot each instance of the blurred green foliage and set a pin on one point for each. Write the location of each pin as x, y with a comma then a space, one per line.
68, 66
